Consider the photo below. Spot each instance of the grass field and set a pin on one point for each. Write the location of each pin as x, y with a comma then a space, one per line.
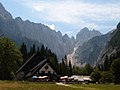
8, 85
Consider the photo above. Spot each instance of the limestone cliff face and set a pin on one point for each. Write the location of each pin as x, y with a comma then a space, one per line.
112, 46
85, 34
8, 26
61, 45
90, 50
30, 32
88, 45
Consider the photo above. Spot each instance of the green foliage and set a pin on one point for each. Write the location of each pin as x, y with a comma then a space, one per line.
106, 64
96, 75
13, 85
88, 69
70, 68
32, 51
10, 58
65, 68
23, 50
115, 67
107, 77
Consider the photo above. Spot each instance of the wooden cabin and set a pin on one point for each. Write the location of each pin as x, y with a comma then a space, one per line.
36, 68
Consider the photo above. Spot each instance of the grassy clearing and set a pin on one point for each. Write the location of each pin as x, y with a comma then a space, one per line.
98, 87
7, 85
11, 85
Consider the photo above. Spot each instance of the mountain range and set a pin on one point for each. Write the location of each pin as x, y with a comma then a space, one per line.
34, 33
87, 47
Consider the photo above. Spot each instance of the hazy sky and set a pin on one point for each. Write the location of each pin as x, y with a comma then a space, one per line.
68, 16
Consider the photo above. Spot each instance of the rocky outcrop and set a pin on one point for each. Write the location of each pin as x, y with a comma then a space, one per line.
87, 47
85, 34
90, 50
112, 47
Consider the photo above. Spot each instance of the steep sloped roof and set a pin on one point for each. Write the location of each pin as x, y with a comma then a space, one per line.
33, 65
31, 62
40, 65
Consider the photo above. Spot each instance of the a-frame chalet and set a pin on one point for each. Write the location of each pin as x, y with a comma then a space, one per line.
36, 67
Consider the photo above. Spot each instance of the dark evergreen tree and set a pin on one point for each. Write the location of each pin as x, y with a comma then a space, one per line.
70, 68
96, 75
88, 69
23, 50
107, 77
38, 49
115, 67
106, 64
63, 67
32, 51
43, 52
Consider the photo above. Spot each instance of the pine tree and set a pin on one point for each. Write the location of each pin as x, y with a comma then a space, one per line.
88, 69
43, 52
70, 68
32, 51
106, 64
23, 50
63, 71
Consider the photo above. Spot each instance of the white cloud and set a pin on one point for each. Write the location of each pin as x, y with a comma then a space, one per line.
75, 12
51, 26
71, 11
38, 8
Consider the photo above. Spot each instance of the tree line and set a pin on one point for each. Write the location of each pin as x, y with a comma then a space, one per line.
109, 71
63, 67
13, 57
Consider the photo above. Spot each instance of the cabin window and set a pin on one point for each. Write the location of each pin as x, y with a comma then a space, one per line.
49, 72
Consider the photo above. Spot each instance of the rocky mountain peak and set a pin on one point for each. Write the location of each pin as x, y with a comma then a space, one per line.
118, 26
18, 19
65, 36
4, 14
59, 34
84, 35
85, 29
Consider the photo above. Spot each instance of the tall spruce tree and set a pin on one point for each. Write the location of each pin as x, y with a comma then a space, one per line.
32, 51
106, 64
70, 68
63, 67
24, 53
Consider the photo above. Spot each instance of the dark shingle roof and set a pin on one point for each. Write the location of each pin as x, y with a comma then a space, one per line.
30, 63
33, 65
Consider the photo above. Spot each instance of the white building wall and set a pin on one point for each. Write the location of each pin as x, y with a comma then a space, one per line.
47, 70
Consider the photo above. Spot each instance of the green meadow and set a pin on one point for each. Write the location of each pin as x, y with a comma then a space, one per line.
13, 85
